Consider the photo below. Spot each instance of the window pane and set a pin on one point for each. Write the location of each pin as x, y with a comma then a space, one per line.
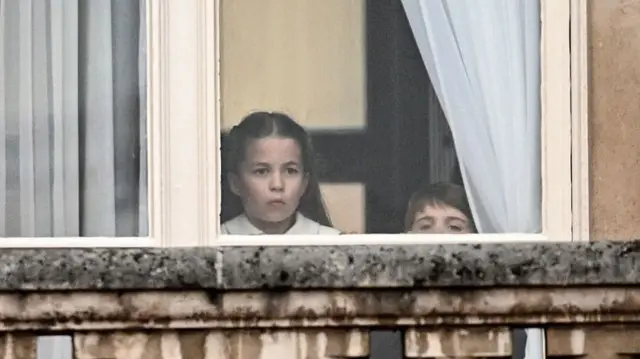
350, 72
72, 121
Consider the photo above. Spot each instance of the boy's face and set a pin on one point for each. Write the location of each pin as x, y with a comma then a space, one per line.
440, 219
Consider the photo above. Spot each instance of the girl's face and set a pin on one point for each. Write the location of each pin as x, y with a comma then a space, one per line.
270, 181
440, 219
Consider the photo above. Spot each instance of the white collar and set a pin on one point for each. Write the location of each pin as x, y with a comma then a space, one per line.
242, 225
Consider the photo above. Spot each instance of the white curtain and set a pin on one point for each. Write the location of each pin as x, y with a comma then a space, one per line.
71, 139
483, 59
72, 123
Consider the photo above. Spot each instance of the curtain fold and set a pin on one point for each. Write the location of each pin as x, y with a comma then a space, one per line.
483, 58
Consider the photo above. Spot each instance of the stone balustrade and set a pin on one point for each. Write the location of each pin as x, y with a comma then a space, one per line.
442, 301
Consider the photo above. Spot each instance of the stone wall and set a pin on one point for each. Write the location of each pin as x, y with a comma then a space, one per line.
614, 118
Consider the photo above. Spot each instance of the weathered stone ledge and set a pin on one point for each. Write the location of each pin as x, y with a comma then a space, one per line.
337, 267
516, 306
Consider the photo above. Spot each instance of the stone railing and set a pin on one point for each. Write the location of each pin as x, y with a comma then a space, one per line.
444, 301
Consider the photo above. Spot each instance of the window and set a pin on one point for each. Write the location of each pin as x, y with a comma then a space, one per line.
351, 73
107, 102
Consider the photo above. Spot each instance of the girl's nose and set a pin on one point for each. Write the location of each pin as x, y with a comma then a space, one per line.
276, 183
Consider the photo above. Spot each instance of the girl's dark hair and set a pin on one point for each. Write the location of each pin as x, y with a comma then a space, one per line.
441, 193
259, 125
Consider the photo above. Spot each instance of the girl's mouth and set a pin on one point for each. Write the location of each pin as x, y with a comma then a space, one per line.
276, 203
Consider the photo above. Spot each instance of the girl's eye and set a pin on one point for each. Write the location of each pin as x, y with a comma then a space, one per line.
260, 171
455, 228
292, 171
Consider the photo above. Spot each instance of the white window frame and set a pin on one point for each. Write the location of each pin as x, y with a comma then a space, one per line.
183, 136
580, 179
564, 126
182, 133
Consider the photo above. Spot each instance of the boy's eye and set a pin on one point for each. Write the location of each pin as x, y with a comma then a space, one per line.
260, 171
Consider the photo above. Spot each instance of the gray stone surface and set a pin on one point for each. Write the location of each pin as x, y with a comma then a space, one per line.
472, 265
428, 266
100, 268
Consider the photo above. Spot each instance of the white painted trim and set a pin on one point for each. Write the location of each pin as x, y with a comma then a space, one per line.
580, 120
77, 242
277, 240
183, 126
375, 239
555, 136
213, 53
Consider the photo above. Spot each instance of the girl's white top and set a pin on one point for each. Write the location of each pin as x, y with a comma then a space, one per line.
240, 225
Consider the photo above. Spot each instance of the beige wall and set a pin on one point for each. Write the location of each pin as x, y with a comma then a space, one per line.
345, 203
304, 57
615, 118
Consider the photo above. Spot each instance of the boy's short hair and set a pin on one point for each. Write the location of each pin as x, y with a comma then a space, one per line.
440, 193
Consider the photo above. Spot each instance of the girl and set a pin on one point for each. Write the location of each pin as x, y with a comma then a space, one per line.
439, 208
271, 175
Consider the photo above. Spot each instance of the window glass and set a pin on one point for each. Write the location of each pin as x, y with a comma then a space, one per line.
72, 119
351, 74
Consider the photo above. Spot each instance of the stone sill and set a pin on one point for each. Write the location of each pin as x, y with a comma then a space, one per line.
413, 267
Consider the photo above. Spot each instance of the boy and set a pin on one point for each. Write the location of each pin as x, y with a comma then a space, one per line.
439, 208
